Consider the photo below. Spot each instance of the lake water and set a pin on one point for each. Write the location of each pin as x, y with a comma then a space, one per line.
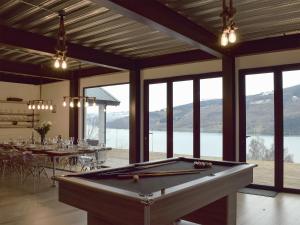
211, 143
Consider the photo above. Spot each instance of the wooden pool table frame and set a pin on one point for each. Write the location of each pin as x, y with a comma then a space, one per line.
210, 200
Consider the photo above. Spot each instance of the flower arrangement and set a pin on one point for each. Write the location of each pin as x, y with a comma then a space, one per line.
43, 129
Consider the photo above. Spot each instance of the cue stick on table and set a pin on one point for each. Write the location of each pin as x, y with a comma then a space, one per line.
138, 167
159, 173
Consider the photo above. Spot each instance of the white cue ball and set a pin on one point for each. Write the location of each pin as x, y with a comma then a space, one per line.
136, 178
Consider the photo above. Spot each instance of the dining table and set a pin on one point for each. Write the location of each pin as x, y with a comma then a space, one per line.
54, 153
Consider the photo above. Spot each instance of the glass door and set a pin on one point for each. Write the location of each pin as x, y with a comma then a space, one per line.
291, 127
260, 126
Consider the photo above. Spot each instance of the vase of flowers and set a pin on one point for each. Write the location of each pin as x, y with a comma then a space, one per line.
43, 129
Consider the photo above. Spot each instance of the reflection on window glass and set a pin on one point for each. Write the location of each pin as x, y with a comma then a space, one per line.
211, 125
183, 118
157, 121
291, 120
108, 121
260, 126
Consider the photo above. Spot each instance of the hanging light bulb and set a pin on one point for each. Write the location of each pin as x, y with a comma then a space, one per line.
39, 106
46, 106
64, 64
94, 104
224, 39
64, 102
79, 104
33, 106
43, 106
72, 104
56, 64
29, 106
51, 107
86, 104
232, 36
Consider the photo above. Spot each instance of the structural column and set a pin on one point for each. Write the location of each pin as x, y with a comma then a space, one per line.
73, 112
229, 108
135, 116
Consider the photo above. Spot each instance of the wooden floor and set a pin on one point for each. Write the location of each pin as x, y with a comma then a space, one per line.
19, 205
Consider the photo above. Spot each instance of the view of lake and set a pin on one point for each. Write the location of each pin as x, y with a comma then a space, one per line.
211, 143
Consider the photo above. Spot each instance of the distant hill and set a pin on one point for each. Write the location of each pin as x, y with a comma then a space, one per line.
260, 115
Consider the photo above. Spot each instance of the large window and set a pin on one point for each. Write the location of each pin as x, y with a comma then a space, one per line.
291, 120
183, 118
175, 116
157, 121
270, 125
260, 126
211, 119
108, 121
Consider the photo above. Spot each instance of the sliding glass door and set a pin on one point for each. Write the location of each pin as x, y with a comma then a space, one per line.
291, 120
270, 125
260, 126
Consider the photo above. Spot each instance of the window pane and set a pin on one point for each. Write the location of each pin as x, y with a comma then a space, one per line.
157, 121
291, 119
260, 126
183, 118
211, 125
108, 122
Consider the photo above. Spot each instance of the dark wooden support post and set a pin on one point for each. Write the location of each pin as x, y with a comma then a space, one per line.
278, 118
135, 116
73, 113
196, 118
229, 115
169, 119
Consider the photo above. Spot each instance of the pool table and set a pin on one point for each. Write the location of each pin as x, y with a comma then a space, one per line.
206, 197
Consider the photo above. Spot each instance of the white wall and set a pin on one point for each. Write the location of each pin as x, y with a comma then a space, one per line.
60, 119
24, 91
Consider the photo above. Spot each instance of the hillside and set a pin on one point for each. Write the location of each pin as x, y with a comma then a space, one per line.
260, 115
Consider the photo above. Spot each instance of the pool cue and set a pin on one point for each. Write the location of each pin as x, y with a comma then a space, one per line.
160, 173
138, 167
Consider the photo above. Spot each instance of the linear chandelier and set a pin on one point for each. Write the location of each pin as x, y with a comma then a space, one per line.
229, 28
79, 101
60, 58
40, 104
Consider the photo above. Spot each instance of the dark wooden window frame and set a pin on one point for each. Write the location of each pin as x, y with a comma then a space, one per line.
196, 110
278, 121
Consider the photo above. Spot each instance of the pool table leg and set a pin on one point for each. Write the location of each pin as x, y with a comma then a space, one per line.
222, 211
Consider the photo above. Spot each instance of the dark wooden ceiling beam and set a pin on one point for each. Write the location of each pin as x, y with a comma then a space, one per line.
175, 58
160, 17
28, 40
32, 71
272, 44
94, 71
13, 78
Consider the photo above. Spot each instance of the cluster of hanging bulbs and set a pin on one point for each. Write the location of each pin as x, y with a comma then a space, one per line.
72, 101
60, 62
228, 36
40, 105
